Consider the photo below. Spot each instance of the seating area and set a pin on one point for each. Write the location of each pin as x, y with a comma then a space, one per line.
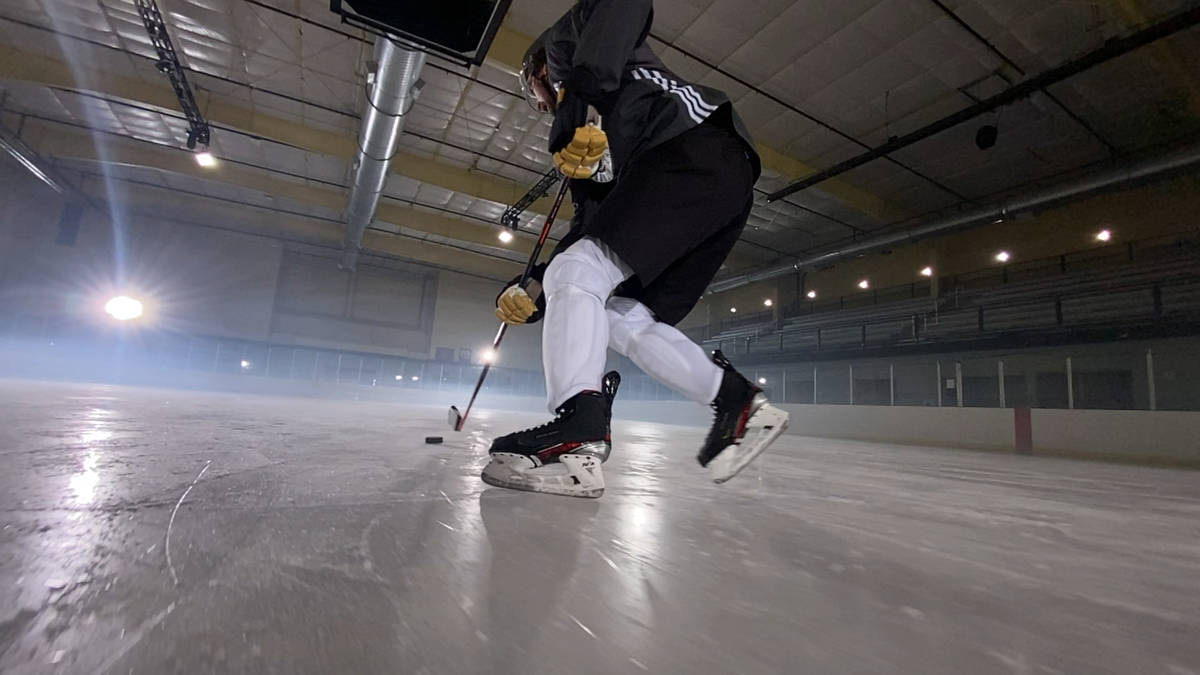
1152, 283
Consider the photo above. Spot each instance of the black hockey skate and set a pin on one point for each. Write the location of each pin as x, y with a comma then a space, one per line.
744, 424
564, 455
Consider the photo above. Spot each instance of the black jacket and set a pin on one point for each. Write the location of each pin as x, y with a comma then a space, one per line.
598, 51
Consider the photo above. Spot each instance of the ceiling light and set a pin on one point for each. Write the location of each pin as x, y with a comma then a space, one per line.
245, 365
399, 377
416, 378
733, 310
864, 284
927, 272
1103, 235
768, 302
812, 295
1003, 256
206, 159
123, 308
762, 380
506, 236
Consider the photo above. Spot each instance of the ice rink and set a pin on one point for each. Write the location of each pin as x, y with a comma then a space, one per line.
315, 536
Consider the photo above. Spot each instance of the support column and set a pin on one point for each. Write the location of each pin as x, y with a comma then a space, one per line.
1070, 386
1000, 372
1150, 379
941, 386
958, 382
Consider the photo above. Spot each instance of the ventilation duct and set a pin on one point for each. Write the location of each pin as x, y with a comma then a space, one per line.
393, 87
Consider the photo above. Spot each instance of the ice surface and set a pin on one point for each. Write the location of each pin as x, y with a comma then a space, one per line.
328, 537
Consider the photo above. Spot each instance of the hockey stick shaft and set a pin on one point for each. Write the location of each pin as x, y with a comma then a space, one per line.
533, 257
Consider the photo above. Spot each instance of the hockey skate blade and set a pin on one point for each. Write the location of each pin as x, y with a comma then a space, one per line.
572, 476
763, 427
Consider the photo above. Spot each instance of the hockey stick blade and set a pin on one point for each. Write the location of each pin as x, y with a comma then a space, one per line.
455, 418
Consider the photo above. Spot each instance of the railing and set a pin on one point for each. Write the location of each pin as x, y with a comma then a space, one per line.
1170, 300
955, 288
100, 352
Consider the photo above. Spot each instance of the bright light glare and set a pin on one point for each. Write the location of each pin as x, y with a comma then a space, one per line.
399, 377
927, 272
768, 302
864, 284
812, 295
733, 310
416, 378
762, 380
245, 365
1103, 235
488, 355
506, 236
123, 308
206, 159
1003, 256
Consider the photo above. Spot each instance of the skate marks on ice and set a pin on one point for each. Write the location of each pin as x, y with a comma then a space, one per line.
171, 522
326, 537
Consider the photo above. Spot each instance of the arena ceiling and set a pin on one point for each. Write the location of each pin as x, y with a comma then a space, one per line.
818, 81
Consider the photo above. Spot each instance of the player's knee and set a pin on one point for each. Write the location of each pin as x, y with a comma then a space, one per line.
571, 272
627, 321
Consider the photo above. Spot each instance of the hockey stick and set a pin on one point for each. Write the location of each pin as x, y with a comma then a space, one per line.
458, 419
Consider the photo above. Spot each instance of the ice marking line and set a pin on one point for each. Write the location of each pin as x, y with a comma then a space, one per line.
171, 522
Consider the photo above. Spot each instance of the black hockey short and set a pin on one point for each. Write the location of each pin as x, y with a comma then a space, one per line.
674, 216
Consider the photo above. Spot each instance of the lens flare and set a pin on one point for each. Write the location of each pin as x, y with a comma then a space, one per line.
123, 308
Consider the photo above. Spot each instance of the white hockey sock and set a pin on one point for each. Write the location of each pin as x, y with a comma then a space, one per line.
575, 330
662, 351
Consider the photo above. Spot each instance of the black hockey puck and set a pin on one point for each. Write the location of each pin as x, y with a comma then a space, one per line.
433, 439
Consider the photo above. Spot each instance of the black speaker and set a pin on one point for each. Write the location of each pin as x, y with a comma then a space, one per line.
986, 136
461, 30
68, 223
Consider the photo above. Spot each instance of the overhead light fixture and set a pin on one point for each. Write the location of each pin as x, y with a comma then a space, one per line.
206, 159
864, 284
927, 272
1003, 256
399, 378
768, 302
123, 308
733, 310
812, 295
762, 380
506, 236
416, 378
1104, 235
245, 365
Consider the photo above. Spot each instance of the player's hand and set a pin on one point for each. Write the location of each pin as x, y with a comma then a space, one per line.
571, 113
581, 157
514, 306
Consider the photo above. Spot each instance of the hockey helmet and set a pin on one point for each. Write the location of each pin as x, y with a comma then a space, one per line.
539, 91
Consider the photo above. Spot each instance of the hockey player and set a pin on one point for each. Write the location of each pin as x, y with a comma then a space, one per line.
640, 252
